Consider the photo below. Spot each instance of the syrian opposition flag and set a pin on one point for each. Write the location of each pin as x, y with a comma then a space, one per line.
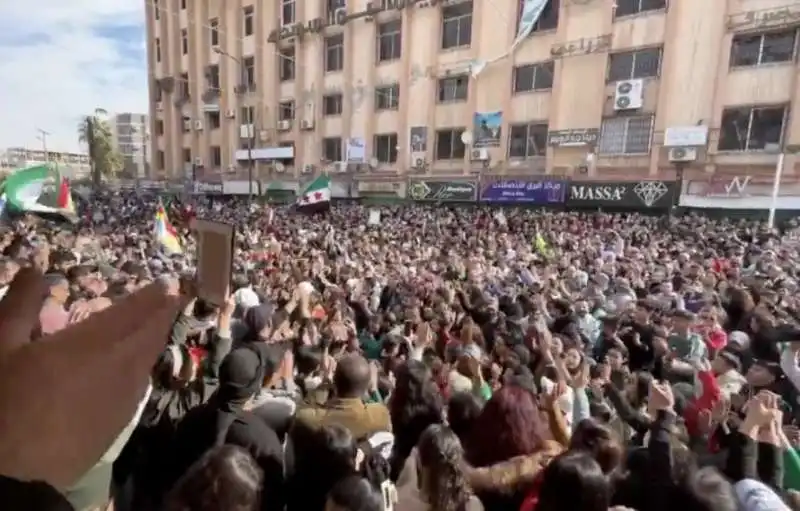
39, 189
316, 197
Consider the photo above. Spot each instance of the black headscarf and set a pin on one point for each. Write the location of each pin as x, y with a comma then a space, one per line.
240, 377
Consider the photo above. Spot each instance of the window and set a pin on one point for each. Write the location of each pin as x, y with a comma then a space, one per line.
183, 5
287, 12
216, 156
286, 111
213, 27
548, 19
332, 104
286, 64
454, 88
385, 147
752, 128
334, 53
634, 64
387, 98
755, 50
449, 145
390, 40
457, 25
527, 140
249, 64
183, 86
156, 10
332, 149
628, 7
534, 77
332, 5
187, 155
213, 120
159, 127
184, 41
247, 115
248, 20
212, 76
158, 49
160, 159
626, 135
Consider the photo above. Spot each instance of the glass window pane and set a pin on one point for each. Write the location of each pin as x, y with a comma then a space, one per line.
612, 136
637, 138
733, 129
620, 67
766, 129
778, 47
646, 63
744, 51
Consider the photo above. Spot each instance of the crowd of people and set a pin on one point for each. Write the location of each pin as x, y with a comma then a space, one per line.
440, 359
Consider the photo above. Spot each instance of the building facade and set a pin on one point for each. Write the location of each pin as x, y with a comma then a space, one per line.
130, 137
589, 89
72, 165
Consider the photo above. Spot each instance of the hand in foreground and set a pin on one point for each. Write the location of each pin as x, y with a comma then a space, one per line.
661, 397
65, 398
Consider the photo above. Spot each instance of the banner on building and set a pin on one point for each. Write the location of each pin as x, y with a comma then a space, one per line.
633, 194
486, 128
531, 12
355, 150
456, 191
522, 191
739, 192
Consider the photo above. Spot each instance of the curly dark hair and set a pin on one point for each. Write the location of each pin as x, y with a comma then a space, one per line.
510, 425
441, 459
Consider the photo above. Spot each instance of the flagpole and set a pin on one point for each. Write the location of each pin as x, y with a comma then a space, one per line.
776, 186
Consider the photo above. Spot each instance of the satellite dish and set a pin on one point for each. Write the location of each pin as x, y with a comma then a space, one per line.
466, 137
373, 162
279, 166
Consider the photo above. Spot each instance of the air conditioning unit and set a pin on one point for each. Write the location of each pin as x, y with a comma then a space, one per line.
308, 169
159, 106
230, 114
198, 161
479, 154
629, 95
682, 154
284, 125
198, 125
187, 124
307, 125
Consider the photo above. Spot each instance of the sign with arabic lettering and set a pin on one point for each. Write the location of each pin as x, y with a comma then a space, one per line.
765, 18
583, 46
341, 17
456, 191
641, 194
531, 192
573, 138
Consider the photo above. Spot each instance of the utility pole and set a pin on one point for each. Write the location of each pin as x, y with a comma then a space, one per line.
43, 137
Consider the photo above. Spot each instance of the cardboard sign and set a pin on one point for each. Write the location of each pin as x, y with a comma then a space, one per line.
214, 260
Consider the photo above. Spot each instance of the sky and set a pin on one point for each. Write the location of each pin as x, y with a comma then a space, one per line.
64, 59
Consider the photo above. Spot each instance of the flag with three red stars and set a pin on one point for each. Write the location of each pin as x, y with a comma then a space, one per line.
316, 197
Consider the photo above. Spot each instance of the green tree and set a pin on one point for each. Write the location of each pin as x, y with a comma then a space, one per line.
95, 132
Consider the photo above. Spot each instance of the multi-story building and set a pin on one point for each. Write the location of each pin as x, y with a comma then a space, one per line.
72, 165
130, 137
589, 88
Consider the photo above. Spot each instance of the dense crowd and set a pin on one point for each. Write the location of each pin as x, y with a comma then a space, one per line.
437, 359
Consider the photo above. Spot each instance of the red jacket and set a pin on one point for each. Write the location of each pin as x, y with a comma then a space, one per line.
709, 395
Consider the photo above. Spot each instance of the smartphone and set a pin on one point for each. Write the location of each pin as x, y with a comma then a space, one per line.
214, 260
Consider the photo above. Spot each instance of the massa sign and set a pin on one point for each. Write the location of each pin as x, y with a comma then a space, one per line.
634, 194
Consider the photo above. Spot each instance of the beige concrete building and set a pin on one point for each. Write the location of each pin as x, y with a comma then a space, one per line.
596, 89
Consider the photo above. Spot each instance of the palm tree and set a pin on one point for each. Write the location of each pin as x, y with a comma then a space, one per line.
94, 131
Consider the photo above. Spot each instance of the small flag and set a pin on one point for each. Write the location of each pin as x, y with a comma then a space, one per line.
316, 197
26, 191
165, 233
541, 246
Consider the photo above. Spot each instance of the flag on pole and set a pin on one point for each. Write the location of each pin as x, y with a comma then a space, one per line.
165, 233
316, 197
30, 190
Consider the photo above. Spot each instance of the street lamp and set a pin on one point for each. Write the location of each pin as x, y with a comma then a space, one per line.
248, 117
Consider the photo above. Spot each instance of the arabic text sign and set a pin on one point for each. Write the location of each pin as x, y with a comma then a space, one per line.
533, 192
774, 17
573, 138
457, 191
